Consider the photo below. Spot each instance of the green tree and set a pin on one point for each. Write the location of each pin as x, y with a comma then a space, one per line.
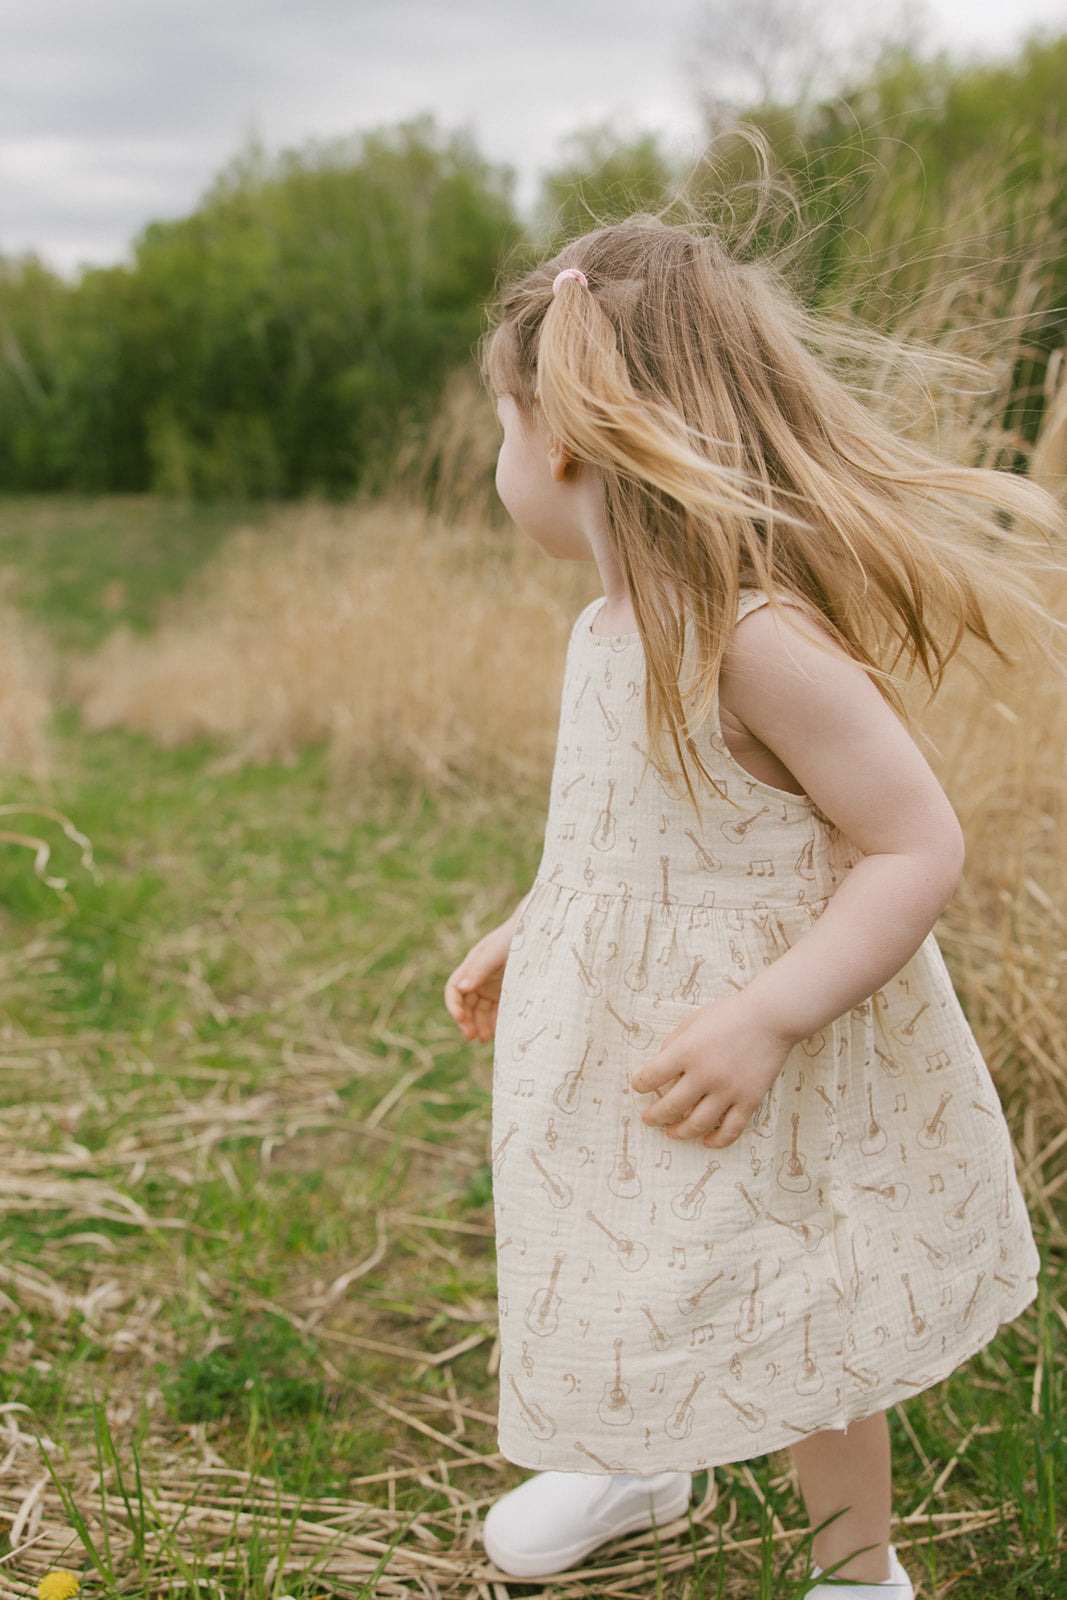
277, 341
603, 178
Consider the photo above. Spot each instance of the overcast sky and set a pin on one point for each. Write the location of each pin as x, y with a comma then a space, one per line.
117, 112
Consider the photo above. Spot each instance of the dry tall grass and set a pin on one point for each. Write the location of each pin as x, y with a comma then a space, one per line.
25, 697
430, 651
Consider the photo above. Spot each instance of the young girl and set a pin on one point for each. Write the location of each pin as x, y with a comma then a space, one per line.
753, 1183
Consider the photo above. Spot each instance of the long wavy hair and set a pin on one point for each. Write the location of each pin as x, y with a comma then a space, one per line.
735, 450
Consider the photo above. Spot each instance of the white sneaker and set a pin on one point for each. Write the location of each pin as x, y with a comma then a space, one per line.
897, 1586
553, 1520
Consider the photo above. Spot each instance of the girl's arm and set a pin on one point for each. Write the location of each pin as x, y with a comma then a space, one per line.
472, 992
821, 716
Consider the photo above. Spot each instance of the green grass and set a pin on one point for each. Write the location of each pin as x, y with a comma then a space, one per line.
80, 567
198, 1054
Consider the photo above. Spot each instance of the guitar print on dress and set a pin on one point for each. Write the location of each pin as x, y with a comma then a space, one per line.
792, 1170
630, 1254
664, 1307
559, 1193
679, 1425
615, 1410
603, 835
659, 1340
567, 1096
688, 1205
540, 1424
542, 1314
624, 1180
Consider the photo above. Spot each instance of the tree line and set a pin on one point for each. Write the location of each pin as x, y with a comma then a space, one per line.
298, 328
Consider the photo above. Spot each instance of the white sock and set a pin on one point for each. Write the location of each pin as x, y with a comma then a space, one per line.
884, 1589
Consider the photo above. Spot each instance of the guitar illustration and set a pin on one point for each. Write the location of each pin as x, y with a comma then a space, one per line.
688, 1205
559, 1193
804, 866
753, 1418
749, 1324
590, 982
689, 1304
933, 1133
688, 993
937, 1258
542, 1314
905, 1031
875, 1139
735, 831
638, 1034
894, 1196
615, 1410
636, 975
605, 1466
656, 1338
957, 1215
808, 1378
705, 860
567, 1095
631, 1255
807, 1234
919, 1332
890, 1067
612, 726
539, 1422
498, 1153
666, 898
866, 1379
624, 1180
792, 1169
964, 1318
603, 835
679, 1425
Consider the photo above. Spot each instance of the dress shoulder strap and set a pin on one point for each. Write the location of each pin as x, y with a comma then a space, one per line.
750, 600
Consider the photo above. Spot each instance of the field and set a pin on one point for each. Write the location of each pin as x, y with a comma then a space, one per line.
247, 1325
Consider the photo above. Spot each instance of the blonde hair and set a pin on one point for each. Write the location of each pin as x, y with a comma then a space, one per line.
733, 455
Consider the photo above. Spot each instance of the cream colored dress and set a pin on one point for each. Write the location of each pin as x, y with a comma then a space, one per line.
663, 1306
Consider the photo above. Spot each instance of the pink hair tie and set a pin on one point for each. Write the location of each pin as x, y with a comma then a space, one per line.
569, 272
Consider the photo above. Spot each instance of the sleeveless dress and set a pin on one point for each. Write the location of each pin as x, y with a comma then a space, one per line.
667, 1307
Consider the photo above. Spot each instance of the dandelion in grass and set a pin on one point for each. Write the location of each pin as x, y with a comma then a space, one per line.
58, 1585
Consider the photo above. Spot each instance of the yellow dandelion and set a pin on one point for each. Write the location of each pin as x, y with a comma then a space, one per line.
58, 1585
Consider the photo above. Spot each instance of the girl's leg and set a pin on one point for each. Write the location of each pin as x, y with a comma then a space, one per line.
849, 1472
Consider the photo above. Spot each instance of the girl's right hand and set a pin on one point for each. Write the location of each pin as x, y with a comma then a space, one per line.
472, 993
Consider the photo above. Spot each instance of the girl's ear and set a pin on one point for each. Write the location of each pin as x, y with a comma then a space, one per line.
561, 463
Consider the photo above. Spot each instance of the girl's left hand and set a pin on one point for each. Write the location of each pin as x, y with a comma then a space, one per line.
712, 1073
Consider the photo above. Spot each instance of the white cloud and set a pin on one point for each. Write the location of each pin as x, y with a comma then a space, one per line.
117, 112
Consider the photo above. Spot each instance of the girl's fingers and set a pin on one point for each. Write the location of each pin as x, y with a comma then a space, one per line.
703, 1119
654, 1076
672, 1108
